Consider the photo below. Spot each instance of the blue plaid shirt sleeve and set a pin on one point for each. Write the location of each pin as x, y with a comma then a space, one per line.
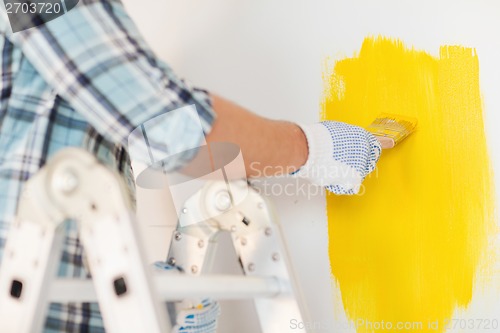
95, 58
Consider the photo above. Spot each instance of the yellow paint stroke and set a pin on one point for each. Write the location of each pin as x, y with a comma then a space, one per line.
408, 249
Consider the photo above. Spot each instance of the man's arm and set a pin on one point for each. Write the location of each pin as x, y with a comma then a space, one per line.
335, 155
269, 147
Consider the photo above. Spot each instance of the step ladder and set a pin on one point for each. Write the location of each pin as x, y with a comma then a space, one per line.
74, 185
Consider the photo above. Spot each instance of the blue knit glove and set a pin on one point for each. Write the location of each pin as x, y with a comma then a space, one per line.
200, 318
340, 156
194, 316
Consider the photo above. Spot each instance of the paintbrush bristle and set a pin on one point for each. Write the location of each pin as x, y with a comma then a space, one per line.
393, 126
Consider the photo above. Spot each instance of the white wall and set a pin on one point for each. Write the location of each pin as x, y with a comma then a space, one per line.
267, 55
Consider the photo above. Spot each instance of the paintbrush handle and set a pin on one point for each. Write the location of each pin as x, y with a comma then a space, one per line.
385, 142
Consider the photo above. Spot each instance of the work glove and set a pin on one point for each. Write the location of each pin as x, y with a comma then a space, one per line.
340, 156
198, 318
191, 316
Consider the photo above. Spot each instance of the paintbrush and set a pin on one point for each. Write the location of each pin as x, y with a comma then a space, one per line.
391, 129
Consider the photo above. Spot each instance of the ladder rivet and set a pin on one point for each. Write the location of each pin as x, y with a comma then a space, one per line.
268, 231
233, 228
194, 269
201, 243
243, 241
66, 182
251, 267
178, 236
276, 257
171, 261
223, 201
184, 210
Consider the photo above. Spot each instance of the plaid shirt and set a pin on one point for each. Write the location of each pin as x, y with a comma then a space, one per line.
86, 79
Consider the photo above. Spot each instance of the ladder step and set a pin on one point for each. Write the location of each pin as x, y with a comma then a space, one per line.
178, 287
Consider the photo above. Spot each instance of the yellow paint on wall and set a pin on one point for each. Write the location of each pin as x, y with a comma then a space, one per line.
408, 249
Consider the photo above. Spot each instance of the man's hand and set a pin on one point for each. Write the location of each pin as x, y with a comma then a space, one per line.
340, 156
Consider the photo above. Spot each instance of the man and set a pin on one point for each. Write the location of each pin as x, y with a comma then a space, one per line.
88, 79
